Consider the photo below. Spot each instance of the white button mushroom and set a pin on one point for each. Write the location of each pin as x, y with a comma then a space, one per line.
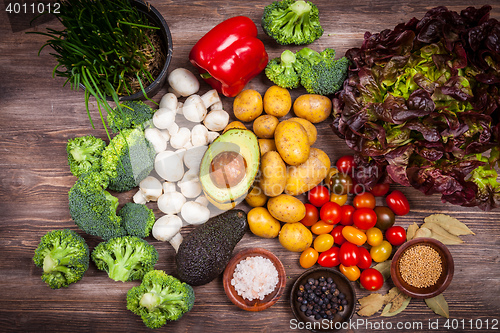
169, 166
216, 106
210, 98
195, 213
199, 135
216, 120
168, 101
193, 157
212, 136
202, 200
183, 81
168, 187
151, 188
167, 229
171, 202
139, 198
173, 129
156, 138
164, 118
178, 109
190, 185
193, 109
165, 134
179, 139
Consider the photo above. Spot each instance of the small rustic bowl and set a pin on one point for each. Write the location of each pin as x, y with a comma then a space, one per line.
343, 285
444, 280
256, 304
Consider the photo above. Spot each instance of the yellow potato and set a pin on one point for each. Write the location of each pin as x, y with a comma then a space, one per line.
272, 174
234, 124
303, 177
262, 224
247, 105
312, 132
264, 126
277, 101
295, 237
292, 142
314, 108
266, 145
256, 197
286, 208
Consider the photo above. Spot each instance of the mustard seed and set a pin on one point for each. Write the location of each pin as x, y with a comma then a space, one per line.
420, 266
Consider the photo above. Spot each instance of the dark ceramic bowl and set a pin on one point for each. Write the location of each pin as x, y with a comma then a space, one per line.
343, 285
256, 304
443, 281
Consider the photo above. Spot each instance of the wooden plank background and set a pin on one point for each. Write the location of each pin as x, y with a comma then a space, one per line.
38, 115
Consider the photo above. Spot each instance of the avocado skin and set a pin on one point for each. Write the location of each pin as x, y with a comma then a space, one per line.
204, 253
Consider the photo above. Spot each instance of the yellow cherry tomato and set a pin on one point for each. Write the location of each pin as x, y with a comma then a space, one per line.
321, 227
308, 257
353, 235
350, 272
381, 252
323, 242
340, 199
374, 236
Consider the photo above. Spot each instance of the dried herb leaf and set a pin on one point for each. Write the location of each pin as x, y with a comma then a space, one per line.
371, 304
410, 232
384, 268
441, 234
450, 224
391, 294
423, 232
388, 309
439, 305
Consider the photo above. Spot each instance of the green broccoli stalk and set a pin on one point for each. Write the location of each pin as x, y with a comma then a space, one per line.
129, 115
93, 208
285, 70
84, 154
160, 298
125, 258
321, 74
64, 257
137, 219
292, 22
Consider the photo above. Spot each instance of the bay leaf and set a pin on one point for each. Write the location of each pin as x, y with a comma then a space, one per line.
439, 305
384, 268
388, 311
450, 224
410, 232
391, 295
423, 232
371, 304
441, 234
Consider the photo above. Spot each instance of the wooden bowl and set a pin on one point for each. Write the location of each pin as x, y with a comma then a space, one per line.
443, 281
256, 304
343, 285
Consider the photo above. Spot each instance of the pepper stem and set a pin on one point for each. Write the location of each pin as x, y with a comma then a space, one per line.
205, 75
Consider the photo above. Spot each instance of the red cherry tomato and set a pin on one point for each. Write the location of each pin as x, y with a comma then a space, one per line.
346, 164
349, 254
364, 218
347, 211
337, 235
398, 203
312, 215
371, 279
330, 212
330, 258
365, 260
319, 195
380, 190
396, 235
364, 200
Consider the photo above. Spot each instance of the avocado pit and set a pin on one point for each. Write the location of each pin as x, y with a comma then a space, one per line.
227, 169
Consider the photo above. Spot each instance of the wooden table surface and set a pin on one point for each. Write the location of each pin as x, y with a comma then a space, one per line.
38, 115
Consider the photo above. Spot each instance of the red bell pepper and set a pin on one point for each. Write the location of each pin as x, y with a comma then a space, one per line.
230, 55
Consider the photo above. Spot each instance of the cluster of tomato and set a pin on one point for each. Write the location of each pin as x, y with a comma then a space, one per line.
344, 231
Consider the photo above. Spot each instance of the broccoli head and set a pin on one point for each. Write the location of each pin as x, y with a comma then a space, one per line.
84, 154
125, 258
321, 73
292, 22
137, 219
160, 298
129, 114
128, 159
93, 208
64, 257
285, 70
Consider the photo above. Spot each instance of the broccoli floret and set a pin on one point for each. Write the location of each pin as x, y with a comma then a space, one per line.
160, 298
321, 73
84, 154
93, 208
125, 258
64, 257
128, 159
137, 219
285, 70
292, 22
129, 115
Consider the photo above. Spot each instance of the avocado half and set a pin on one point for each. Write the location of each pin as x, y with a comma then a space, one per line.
229, 167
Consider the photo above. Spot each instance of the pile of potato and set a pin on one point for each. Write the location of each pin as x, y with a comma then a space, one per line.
289, 164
